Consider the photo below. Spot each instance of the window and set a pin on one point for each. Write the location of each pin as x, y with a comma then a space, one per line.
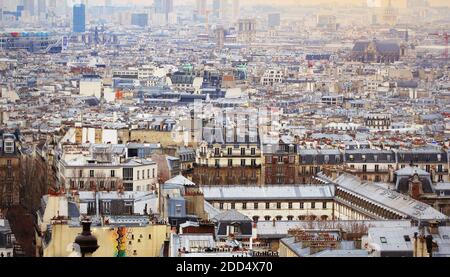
113, 185
81, 184
128, 174
255, 205
428, 168
244, 206
91, 173
291, 159
407, 238
267, 205
233, 206
138, 174
439, 168
253, 151
230, 162
153, 173
267, 217
278, 205
253, 162
364, 168
290, 205
102, 184
255, 218
216, 151
106, 207
217, 162
128, 186
324, 205
230, 151
279, 217
221, 206
149, 236
148, 173
242, 151
80, 173
8, 162
243, 162
290, 217
383, 240
377, 168
302, 205
113, 173
313, 205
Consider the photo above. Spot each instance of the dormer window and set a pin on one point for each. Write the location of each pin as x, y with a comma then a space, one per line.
439, 157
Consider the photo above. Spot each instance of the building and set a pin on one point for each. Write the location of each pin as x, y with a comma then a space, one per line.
246, 30
91, 85
357, 200
311, 161
139, 19
272, 77
201, 7
7, 238
224, 157
375, 52
58, 224
79, 18
105, 168
279, 161
34, 42
370, 164
378, 122
432, 160
274, 20
9, 170
274, 202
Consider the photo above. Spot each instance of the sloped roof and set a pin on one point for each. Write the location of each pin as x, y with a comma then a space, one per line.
231, 215
180, 180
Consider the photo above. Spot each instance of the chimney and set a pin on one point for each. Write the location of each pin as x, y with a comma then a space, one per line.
415, 187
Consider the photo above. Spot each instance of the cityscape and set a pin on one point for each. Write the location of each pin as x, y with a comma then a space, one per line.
224, 128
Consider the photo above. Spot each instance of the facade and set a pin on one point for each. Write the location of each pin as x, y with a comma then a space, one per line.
274, 202
139, 19
311, 162
378, 122
228, 162
375, 52
280, 161
370, 164
100, 169
79, 18
7, 238
30, 41
272, 77
274, 20
91, 85
9, 170
119, 234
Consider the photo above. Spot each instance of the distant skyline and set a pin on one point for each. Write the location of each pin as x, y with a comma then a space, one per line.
397, 3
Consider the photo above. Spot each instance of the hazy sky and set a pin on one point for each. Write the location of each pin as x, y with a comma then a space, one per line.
399, 3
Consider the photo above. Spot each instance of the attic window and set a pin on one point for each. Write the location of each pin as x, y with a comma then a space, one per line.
407, 238
383, 240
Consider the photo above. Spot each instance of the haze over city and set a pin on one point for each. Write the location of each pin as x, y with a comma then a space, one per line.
225, 129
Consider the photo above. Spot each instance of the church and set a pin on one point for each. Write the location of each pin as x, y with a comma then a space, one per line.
375, 51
